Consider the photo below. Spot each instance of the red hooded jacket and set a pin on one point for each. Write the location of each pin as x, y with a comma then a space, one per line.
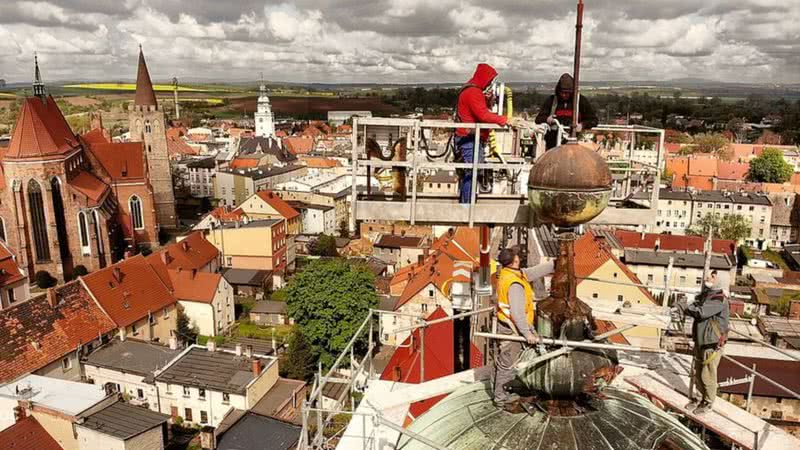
472, 103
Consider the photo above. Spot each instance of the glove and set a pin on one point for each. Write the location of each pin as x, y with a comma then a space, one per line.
579, 128
551, 119
532, 339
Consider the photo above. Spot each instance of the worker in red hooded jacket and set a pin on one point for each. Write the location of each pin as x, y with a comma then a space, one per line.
473, 107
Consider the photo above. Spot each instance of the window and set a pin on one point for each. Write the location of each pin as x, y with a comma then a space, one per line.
187, 412
186, 391
727, 206
430, 293
10, 296
650, 278
2, 229
698, 281
201, 393
83, 233
594, 295
39, 228
424, 307
140, 393
203, 417
683, 280
620, 298
166, 313
97, 233
134, 331
752, 208
137, 217
152, 319
147, 127
739, 207
66, 364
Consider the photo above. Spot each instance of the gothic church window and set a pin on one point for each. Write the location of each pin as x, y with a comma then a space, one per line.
39, 225
2, 229
147, 128
135, 204
83, 232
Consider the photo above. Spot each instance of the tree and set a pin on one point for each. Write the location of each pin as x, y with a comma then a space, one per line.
729, 226
329, 300
79, 271
715, 143
297, 362
187, 331
44, 280
324, 245
770, 167
344, 229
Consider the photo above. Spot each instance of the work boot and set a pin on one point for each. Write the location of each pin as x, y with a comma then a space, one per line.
691, 405
703, 408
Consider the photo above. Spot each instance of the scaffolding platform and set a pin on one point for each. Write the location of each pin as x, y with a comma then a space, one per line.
727, 420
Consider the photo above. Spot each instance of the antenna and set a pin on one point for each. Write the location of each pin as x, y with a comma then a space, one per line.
175, 91
576, 71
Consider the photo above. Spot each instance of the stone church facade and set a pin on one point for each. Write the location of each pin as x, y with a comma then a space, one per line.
68, 200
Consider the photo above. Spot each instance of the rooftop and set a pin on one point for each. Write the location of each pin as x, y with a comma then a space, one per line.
632, 239
281, 393
258, 173
256, 431
194, 286
192, 252
395, 241
218, 371
246, 277
269, 307
680, 259
68, 397
123, 420
782, 326
34, 334
260, 223
131, 356
41, 131
278, 204
27, 434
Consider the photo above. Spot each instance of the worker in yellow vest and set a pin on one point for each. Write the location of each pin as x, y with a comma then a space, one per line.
515, 313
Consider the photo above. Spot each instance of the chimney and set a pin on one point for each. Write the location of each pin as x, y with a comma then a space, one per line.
173, 343
165, 257
238, 349
211, 345
208, 439
51, 297
117, 274
248, 351
420, 259
256, 367
194, 273
658, 245
19, 413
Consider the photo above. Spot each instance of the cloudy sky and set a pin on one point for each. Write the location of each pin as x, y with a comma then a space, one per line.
401, 40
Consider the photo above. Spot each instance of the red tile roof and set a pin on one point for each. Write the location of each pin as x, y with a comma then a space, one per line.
244, 163
34, 334
278, 204
317, 162
592, 252
41, 131
27, 434
90, 186
178, 147
604, 326
9, 270
94, 136
193, 252
194, 286
225, 214
784, 372
671, 242
122, 161
298, 145
129, 290
732, 170
404, 365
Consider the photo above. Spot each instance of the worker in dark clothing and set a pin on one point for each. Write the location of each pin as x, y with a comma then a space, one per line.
560, 107
709, 332
515, 315
473, 107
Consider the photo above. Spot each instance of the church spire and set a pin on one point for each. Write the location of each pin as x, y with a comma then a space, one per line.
38, 86
145, 96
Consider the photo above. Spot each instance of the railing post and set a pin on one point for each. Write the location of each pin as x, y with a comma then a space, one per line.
422, 354
370, 344
750, 390
414, 171
475, 158
354, 165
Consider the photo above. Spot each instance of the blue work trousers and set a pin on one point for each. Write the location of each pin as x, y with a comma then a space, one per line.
466, 145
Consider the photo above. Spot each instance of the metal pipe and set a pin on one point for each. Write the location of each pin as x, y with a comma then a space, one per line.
344, 352
623, 283
422, 356
576, 71
614, 332
576, 344
474, 170
485, 246
354, 168
763, 377
750, 391
444, 319
766, 344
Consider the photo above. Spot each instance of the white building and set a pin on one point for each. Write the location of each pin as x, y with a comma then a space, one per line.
650, 266
336, 118
203, 384
127, 367
265, 120
674, 212
206, 298
201, 177
316, 219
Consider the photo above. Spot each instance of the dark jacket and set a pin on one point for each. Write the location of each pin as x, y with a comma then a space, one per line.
711, 315
563, 110
472, 107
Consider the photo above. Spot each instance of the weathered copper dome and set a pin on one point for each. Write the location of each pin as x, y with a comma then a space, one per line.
467, 419
568, 186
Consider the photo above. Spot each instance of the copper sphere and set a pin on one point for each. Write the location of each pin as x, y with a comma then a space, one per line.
568, 186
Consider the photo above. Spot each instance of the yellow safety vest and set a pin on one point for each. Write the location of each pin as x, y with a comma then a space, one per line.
506, 278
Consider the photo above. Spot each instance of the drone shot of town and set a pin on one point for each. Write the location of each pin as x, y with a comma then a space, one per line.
400, 225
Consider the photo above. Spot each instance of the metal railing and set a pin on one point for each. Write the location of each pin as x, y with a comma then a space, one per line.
412, 131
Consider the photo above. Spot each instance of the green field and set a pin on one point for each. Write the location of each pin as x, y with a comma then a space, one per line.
129, 87
7, 95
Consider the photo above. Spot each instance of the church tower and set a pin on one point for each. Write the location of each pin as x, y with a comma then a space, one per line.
147, 125
265, 121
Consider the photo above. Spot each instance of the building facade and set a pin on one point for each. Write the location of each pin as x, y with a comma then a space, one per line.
265, 120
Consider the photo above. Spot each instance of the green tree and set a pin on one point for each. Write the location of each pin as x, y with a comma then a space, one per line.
324, 245
770, 167
729, 226
715, 143
329, 300
297, 362
187, 332
44, 280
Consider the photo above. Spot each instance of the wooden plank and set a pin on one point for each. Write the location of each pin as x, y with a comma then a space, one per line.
726, 420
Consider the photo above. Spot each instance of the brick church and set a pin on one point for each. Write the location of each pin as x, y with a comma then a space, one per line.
68, 200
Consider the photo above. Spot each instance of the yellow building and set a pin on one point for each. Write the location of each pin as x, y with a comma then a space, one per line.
258, 244
267, 205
